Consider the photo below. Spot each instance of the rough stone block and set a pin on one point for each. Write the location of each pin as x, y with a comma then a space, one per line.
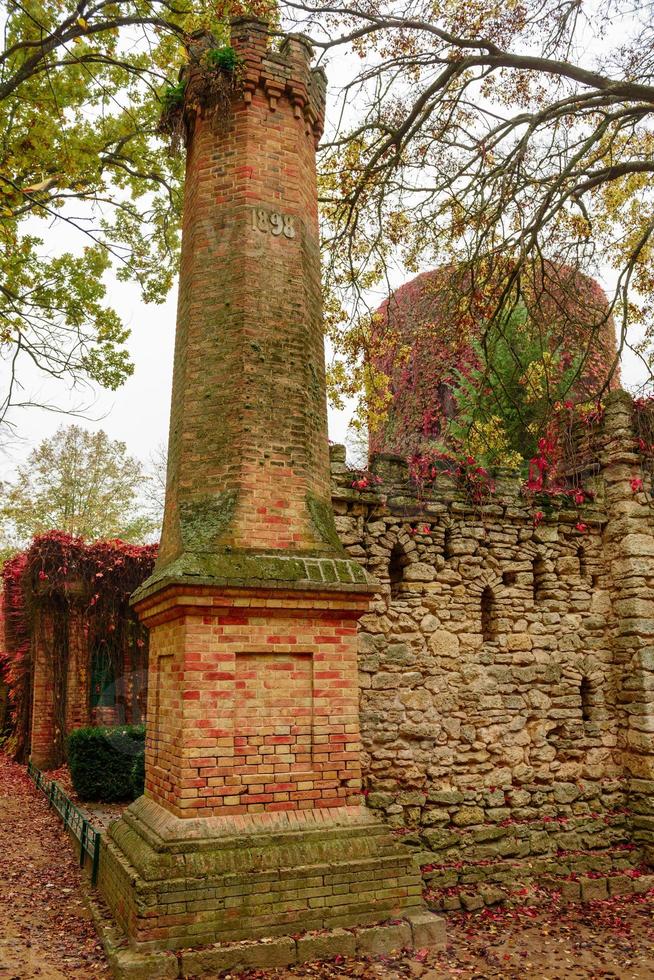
566, 792
570, 891
643, 884
445, 796
265, 953
384, 938
468, 816
593, 889
491, 894
419, 572
427, 929
472, 902
324, 946
620, 885
438, 840
126, 965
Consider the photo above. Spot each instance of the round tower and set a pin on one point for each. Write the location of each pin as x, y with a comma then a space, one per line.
423, 337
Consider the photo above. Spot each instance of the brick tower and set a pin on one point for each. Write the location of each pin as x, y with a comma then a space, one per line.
251, 826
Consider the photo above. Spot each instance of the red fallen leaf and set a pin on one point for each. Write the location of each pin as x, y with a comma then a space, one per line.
421, 955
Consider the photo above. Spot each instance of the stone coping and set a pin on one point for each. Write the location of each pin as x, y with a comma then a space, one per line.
295, 573
164, 830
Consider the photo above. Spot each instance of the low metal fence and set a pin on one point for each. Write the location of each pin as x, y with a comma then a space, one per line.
74, 820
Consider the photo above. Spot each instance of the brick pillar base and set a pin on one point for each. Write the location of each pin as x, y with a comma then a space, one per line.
252, 826
213, 883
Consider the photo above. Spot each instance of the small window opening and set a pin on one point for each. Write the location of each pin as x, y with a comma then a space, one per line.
447, 543
595, 581
396, 565
509, 578
586, 695
103, 678
488, 615
540, 579
583, 567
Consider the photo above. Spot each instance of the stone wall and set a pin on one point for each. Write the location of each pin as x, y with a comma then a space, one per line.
505, 674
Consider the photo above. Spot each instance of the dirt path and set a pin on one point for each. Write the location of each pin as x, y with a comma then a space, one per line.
45, 931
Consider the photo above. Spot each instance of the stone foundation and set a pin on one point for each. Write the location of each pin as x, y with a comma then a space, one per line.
173, 883
416, 930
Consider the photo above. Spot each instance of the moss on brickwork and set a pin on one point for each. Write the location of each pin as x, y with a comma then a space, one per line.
322, 516
179, 885
228, 569
203, 521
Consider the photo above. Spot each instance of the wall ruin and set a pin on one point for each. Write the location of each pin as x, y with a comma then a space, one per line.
506, 677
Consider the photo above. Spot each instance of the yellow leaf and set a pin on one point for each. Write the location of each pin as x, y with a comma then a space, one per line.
82, 23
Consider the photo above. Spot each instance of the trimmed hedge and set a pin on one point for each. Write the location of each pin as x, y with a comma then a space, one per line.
138, 776
107, 764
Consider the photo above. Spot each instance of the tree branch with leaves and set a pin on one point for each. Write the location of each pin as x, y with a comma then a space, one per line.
503, 140
86, 185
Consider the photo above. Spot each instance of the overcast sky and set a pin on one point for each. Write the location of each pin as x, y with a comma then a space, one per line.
138, 413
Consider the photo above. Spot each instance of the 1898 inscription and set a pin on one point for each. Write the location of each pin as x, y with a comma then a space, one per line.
273, 223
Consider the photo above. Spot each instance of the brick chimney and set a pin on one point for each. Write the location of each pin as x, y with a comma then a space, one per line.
248, 504
248, 469
252, 822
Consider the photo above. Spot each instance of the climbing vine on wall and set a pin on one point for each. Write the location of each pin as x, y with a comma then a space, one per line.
643, 420
460, 400
62, 582
555, 474
430, 354
15, 663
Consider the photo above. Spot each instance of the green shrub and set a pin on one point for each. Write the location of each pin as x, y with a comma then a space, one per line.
102, 761
138, 775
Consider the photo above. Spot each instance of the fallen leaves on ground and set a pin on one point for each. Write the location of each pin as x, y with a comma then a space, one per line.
46, 932
607, 940
45, 929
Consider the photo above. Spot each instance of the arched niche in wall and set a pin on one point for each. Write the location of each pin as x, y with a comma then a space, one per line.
397, 563
592, 692
539, 571
486, 588
488, 615
587, 699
